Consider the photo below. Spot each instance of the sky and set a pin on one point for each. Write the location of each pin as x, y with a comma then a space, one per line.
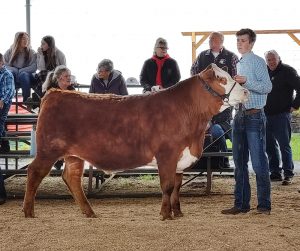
125, 30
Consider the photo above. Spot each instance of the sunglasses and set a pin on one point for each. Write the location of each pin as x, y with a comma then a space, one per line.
163, 48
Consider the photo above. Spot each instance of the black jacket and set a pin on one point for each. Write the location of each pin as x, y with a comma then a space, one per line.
226, 60
116, 84
170, 74
284, 80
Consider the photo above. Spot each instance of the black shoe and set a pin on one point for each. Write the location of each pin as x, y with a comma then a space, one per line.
226, 163
5, 147
234, 211
58, 164
275, 177
263, 211
36, 100
2, 200
287, 181
28, 103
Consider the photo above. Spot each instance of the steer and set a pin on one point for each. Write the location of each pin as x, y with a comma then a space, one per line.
115, 133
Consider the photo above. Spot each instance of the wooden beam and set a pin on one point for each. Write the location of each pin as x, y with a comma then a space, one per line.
197, 33
205, 35
294, 38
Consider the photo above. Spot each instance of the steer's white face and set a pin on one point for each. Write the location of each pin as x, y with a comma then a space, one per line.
238, 94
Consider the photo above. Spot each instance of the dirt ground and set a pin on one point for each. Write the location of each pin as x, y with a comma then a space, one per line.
134, 223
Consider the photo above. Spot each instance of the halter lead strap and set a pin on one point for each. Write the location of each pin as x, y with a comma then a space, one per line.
224, 97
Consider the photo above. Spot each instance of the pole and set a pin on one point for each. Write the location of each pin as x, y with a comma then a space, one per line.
28, 16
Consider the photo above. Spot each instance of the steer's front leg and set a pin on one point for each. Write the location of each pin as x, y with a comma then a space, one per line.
175, 201
167, 180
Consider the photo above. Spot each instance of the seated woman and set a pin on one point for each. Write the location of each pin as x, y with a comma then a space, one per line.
48, 57
108, 80
20, 59
59, 78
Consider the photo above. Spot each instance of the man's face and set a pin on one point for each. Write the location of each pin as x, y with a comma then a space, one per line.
243, 44
215, 43
103, 74
272, 61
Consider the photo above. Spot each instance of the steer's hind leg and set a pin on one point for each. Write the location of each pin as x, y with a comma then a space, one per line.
175, 201
72, 176
36, 172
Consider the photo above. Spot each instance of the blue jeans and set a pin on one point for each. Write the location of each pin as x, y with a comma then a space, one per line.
216, 132
249, 136
3, 116
25, 81
279, 133
2, 187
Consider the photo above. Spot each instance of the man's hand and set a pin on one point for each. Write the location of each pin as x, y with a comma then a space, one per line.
240, 79
1, 104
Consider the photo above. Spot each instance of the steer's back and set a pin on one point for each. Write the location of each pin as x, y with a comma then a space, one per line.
124, 131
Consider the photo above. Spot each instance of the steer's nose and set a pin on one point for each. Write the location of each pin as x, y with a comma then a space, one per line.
246, 92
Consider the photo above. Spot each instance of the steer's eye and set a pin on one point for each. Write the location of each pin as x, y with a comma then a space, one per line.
223, 80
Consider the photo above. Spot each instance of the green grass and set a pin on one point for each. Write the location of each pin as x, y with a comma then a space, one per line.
21, 145
295, 144
147, 177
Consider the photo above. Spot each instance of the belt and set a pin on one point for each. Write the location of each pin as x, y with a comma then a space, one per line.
251, 111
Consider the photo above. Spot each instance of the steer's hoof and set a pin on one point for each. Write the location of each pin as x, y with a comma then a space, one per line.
27, 214
31, 215
166, 217
91, 215
178, 214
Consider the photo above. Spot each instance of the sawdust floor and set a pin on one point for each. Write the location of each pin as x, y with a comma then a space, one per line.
134, 223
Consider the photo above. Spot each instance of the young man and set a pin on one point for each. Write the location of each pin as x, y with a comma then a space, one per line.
280, 104
7, 89
249, 129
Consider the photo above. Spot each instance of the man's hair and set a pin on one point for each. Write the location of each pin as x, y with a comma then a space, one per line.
106, 64
217, 34
272, 52
249, 32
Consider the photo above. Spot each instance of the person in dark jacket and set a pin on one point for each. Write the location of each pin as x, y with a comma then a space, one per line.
160, 71
227, 61
280, 104
108, 80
